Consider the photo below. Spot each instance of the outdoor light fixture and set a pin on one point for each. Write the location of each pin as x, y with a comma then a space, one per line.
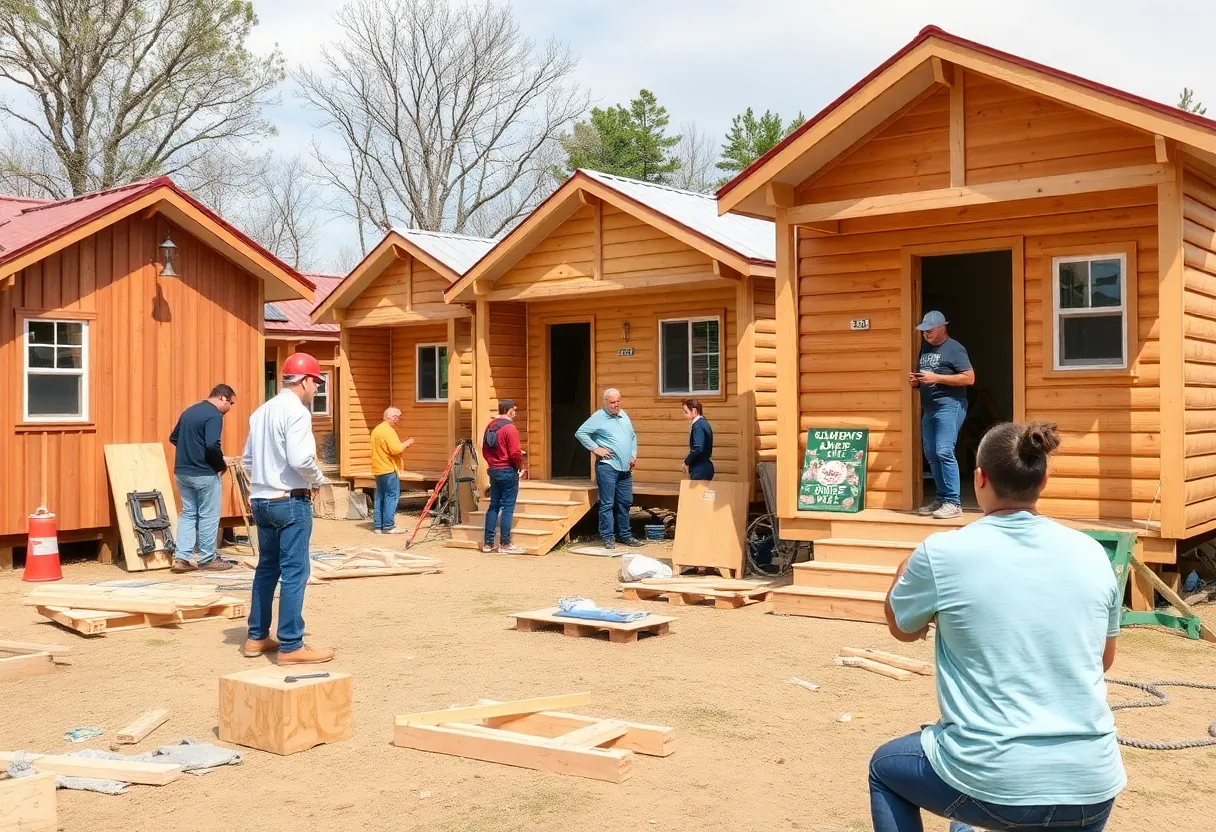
625, 331
166, 252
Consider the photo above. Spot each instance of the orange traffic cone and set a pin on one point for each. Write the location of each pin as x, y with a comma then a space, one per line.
42, 553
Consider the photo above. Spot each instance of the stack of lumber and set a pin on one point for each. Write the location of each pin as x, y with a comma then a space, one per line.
364, 562
528, 734
19, 659
891, 665
95, 610
725, 593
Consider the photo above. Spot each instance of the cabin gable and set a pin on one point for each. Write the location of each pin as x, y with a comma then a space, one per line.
406, 291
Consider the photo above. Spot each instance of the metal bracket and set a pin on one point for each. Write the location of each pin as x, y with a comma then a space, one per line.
145, 527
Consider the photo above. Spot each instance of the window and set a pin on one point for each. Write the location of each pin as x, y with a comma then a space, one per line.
56, 370
1090, 294
320, 399
690, 358
432, 373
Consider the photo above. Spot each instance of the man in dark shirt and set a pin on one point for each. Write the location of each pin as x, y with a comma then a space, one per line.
504, 458
198, 468
943, 375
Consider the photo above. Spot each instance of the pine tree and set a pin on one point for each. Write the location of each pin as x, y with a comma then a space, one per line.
653, 147
626, 142
1186, 101
749, 138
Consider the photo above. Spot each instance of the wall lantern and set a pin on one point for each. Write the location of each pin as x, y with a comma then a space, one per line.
625, 331
166, 252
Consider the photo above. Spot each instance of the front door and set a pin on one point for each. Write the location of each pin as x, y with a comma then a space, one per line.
569, 398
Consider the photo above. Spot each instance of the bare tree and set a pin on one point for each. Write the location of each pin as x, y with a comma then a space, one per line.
124, 89
446, 112
344, 260
284, 213
226, 179
697, 154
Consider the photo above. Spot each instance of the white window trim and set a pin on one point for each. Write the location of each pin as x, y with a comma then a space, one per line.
328, 396
83, 372
417, 372
689, 322
1088, 312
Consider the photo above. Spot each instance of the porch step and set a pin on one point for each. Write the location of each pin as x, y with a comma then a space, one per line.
474, 544
534, 491
822, 575
523, 515
528, 501
863, 551
546, 512
468, 531
843, 604
895, 526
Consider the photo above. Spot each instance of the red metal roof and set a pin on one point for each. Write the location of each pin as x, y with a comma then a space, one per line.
935, 32
27, 224
298, 312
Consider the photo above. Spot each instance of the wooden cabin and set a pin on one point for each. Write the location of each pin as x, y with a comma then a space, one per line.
1068, 232
401, 345
613, 282
98, 347
289, 328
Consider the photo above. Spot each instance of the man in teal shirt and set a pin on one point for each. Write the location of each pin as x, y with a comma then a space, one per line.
1027, 612
609, 435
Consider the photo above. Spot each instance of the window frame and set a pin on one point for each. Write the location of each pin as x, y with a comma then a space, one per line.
85, 372
418, 348
325, 374
689, 320
1126, 253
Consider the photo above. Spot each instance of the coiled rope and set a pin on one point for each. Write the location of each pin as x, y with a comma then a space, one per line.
1159, 699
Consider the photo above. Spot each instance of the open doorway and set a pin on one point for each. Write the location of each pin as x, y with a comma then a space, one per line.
569, 398
975, 293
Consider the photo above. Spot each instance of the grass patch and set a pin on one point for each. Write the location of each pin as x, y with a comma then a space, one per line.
487, 603
158, 642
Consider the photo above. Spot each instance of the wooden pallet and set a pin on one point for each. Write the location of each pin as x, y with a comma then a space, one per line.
722, 599
100, 622
529, 735
618, 632
367, 562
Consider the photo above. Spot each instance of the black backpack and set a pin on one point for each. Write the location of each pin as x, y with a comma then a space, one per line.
491, 436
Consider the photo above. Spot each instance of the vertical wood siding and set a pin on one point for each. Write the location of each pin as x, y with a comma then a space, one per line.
365, 392
508, 344
1199, 346
427, 422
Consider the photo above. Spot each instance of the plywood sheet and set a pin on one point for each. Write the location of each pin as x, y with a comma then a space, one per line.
710, 524
139, 468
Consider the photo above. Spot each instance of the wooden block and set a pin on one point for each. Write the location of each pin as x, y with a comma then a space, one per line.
652, 740
21, 667
892, 659
874, 667
472, 713
260, 710
145, 774
57, 651
595, 734
144, 724
27, 804
139, 468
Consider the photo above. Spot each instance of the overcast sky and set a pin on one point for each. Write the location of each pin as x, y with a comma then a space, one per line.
709, 59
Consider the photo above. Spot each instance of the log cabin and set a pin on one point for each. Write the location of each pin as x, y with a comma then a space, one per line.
612, 282
402, 345
100, 344
1068, 232
289, 328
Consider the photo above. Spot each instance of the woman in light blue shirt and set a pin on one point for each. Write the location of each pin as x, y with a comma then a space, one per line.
1027, 612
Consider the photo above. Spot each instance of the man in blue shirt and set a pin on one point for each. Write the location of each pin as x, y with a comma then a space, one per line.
609, 435
198, 467
943, 375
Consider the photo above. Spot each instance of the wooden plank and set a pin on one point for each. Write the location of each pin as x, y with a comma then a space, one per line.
892, 659
597, 244
144, 724
1205, 632
58, 651
1171, 294
874, 667
28, 804
101, 602
473, 713
593, 735
786, 300
943, 72
711, 522
21, 667
139, 468
652, 740
130, 771
958, 144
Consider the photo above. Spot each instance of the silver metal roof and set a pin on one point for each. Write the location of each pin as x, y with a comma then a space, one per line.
751, 238
456, 251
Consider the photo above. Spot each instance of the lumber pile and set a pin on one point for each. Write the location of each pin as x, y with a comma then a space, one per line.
529, 733
723, 593
891, 665
128, 771
95, 610
368, 562
19, 659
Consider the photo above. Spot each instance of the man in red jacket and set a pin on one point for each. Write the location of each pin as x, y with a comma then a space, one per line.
505, 462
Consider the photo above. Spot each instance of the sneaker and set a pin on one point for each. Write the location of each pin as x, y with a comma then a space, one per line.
377, 531
487, 548
306, 655
631, 541
216, 565
948, 511
255, 647
928, 508
179, 566
608, 544
393, 530
511, 549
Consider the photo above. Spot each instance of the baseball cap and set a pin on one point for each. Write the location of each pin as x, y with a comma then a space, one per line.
932, 320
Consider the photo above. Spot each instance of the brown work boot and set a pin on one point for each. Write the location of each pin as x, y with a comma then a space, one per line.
306, 655
216, 565
256, 647
180, 565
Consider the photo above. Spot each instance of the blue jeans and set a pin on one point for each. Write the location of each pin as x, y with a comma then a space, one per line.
284, 529
616, 497
703, 471
199, 522
504, 488
902, 783
939, 427
388, 495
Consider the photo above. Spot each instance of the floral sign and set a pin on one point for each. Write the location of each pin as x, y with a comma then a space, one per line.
834, 470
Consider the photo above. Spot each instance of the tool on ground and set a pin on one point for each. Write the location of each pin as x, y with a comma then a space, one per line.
241, 477
445, 498
146, 527
306, 676
1160, 699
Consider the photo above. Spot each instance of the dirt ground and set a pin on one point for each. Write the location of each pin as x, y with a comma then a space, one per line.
752, 752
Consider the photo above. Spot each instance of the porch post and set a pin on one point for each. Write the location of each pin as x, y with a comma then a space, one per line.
481, 384
1173, 412
789, 415
453, 387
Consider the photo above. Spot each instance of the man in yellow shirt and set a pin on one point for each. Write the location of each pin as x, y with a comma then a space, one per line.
386, 463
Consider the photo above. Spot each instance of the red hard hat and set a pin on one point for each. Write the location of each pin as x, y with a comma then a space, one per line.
302, 364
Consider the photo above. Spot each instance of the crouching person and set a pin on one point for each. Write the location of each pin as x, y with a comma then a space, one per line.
1027, 612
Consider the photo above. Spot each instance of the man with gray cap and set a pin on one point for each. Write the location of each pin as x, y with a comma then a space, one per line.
943, 375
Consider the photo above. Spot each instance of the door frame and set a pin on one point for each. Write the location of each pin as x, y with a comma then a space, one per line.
910, 308
546, 428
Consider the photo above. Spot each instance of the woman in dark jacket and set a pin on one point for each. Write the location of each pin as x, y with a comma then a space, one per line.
698, 463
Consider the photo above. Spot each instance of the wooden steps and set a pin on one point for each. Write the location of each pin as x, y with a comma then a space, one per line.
545, 513
860, 551
863, 576
846, 604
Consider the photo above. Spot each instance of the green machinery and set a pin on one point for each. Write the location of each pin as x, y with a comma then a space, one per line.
1119, 547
